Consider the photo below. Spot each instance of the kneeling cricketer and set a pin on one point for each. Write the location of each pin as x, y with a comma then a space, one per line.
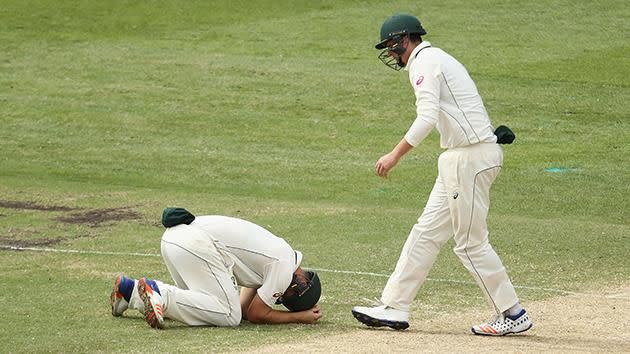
209, 257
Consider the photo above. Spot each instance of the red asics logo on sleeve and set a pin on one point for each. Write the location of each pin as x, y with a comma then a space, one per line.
419, 81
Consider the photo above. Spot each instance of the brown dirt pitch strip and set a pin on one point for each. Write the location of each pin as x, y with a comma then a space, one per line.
592, 322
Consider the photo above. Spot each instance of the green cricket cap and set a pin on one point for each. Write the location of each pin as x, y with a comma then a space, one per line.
176, 216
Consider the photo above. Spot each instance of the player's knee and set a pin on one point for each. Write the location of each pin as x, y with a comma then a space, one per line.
428, 237
234, 318
471, 248
228, 319
233, 322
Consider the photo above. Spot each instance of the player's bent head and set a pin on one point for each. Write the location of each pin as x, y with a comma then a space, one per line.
303, 293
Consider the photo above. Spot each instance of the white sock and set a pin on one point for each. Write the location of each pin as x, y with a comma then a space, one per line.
135, 302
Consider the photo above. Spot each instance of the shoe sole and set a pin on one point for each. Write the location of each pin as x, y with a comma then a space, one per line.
499, 335
153, 312
116, 296
375, 322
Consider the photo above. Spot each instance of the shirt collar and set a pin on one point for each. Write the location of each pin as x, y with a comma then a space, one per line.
415, 51
298, 258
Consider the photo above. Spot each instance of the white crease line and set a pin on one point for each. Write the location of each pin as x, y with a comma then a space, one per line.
618, 296
448, 281
57, 250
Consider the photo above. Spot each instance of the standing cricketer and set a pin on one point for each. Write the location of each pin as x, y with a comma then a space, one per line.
209, 257
446, 99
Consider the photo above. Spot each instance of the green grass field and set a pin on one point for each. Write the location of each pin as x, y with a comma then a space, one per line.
275, 112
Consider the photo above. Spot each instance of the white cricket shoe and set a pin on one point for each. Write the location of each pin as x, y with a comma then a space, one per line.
119, 304
381, 316
153, 304
503, 325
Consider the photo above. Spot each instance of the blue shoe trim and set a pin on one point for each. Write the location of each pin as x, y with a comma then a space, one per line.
517, 316
153, 285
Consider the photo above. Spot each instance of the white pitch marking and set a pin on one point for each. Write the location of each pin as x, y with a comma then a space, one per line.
57, 250
619, 296
447, 281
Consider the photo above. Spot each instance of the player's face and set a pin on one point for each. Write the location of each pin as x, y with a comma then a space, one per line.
396, 53
391, 44
301, 278
402, 57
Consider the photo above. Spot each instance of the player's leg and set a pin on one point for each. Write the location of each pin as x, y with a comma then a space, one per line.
432, 230
476, 169
420, 251
206, 293
118, 301
152, 301
124, 295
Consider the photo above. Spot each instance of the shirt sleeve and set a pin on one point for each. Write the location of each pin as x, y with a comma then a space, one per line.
426, 81
276, 280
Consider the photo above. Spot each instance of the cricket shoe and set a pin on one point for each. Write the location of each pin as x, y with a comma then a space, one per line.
153, 304
381, 316
503, 325
119, 304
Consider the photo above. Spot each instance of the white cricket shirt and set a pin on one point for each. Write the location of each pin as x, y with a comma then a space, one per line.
262, 260
447, 99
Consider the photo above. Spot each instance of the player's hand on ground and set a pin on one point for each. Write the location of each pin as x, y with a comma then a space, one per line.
311, 316
386, 163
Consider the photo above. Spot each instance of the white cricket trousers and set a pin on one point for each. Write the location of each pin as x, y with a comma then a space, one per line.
457, 207
206, 291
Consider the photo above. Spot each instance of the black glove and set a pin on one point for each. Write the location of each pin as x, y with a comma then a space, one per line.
504, 135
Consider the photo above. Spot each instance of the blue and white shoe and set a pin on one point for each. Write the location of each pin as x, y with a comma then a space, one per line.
153, 304
502, 325
118, 302
381, 316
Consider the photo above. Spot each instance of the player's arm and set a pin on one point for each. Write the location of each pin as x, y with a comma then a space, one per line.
389, 160
426, 84
259, 312
426, 81
247, 295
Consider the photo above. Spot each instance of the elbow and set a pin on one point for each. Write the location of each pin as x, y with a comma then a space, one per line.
256, 321
259, 312
410, 141
256, 317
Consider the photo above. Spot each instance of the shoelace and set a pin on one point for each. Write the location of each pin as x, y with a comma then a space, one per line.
497, 319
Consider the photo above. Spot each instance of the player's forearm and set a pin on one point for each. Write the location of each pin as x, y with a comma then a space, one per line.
259, 312
401, 149
279, 317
